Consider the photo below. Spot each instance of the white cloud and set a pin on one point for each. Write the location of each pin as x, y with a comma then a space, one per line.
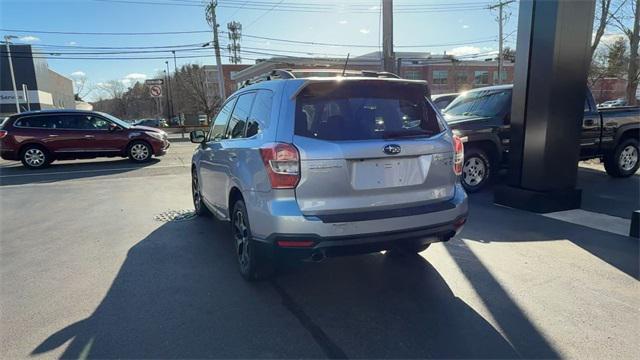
78, 73
343, 22
465, 26
132, 78
29, 38
73, 43
464, 50
608, 39
374, 8
136, 76
365, 31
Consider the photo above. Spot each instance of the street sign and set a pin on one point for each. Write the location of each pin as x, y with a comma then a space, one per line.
155, 90
154, 82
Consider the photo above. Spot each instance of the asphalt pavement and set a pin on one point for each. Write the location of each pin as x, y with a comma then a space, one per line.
88, 270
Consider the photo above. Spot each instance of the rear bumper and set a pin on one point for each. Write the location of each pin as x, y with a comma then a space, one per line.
282, 221
361, 244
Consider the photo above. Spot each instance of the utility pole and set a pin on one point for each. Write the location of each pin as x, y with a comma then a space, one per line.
211, 19
235, 34
13, 76
500, 6
387, 36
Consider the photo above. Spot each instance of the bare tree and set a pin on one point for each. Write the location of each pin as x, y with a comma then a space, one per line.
628, 21
81, 86
606, 10
193, 94
116, 91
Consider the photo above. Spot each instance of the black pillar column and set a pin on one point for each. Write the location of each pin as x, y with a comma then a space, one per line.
549, 91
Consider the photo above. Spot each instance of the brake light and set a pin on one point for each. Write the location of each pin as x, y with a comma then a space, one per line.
282, 163
3, 134
458, 158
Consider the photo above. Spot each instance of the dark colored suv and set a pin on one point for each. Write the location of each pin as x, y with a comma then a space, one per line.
39, 137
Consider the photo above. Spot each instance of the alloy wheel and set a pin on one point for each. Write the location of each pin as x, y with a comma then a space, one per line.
195, 191
473, 171
628, 158
139, 152
241, 235
34, 157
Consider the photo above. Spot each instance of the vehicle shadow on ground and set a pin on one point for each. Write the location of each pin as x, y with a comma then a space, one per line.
16, 174
179, 295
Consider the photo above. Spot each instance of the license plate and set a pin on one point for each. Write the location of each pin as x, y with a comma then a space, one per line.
386, 173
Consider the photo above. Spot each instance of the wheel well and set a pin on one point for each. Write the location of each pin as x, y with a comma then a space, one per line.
631, 133
139, 141
234, 196
23, 147
488, 147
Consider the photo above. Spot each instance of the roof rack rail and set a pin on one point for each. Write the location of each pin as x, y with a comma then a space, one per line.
278, 74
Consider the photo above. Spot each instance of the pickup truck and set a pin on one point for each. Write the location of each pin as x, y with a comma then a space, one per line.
483, 115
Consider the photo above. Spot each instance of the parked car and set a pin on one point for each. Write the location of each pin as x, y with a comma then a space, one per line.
326, 166
441, 101
483, 117
39, 137
613, 103
157, 123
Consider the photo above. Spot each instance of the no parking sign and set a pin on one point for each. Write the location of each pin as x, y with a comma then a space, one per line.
155, 90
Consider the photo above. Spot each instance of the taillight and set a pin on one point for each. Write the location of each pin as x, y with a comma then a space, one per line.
3, 134
282, 163
458, 158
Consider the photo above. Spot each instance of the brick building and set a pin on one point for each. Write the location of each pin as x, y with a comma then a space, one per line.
445, 73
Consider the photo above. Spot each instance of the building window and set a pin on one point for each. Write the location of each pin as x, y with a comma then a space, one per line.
461, 77
440, 77
412, 74
503, 76
481, 77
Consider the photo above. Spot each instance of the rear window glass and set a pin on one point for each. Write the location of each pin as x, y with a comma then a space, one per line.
364, 111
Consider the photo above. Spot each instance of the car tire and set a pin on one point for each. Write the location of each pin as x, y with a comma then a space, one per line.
624, 160
35, 157
139, 151
198, 204
253, 262
476, 170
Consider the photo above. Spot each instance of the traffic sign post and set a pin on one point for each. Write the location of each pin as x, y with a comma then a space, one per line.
155, 90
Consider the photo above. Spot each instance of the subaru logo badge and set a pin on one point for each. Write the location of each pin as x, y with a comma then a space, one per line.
392, 149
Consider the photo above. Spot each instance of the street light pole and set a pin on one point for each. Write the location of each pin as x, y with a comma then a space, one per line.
175, 63
169, 100
13, 76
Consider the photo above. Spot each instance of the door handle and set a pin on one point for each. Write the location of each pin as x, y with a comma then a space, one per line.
233, 157
89, 137
53, 135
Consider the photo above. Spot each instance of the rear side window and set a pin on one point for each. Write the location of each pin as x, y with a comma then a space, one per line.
45, 122
364, 111
260, 113
239, 117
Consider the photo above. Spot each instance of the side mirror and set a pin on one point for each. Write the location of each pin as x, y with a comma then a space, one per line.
113, 127
197, 136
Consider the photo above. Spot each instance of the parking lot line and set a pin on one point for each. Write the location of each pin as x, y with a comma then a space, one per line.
94, 170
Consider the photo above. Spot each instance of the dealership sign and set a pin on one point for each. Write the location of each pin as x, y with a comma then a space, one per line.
35, 97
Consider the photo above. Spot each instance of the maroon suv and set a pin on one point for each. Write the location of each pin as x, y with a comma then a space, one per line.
39, 137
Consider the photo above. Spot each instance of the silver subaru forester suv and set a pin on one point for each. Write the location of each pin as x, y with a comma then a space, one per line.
325, 166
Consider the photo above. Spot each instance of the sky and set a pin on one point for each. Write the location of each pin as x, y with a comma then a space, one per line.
455, 26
